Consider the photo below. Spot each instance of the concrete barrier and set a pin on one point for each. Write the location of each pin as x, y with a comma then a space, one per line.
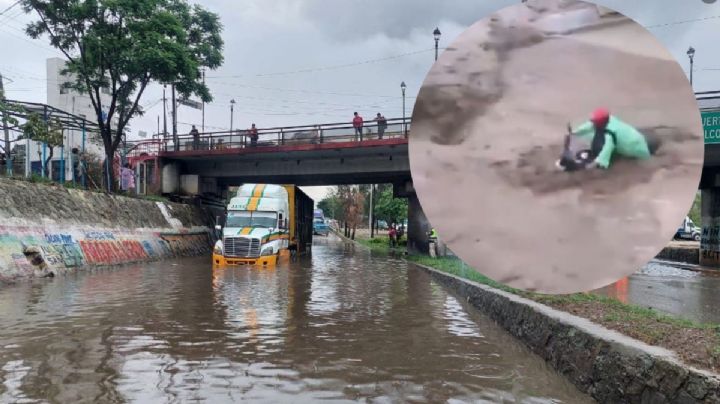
48, 230
608, 366
687, 255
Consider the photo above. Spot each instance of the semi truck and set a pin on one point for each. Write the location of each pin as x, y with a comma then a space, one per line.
264, 224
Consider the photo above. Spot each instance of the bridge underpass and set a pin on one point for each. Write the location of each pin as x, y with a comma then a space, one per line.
318, 155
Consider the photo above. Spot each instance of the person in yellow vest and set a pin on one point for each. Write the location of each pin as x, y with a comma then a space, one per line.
432, 242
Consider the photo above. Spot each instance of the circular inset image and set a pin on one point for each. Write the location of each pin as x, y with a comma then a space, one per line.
556, 146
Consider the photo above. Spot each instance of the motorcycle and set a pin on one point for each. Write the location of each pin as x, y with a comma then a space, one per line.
573, 160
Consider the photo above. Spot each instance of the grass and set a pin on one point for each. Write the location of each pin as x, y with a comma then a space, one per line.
698, 344
381, 243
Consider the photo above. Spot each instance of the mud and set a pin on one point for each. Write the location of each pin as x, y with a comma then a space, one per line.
488, 127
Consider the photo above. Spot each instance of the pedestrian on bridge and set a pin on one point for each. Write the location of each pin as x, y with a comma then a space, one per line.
382, 125
253, 135
358, 125
195, 138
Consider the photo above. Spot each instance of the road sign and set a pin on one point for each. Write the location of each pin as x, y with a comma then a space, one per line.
190, 103
711, 125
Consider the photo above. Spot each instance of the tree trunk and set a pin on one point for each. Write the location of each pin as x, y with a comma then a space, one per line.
108, 172
353, 231
47, 163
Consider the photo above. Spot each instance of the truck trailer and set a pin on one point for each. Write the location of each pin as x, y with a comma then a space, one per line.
264, 224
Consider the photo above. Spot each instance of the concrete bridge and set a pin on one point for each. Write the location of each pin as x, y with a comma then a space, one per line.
335, 154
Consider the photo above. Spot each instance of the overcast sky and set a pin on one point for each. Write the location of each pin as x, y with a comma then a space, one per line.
267, 43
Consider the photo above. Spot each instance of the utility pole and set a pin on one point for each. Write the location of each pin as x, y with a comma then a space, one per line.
176, 142
370, 215
164, 114
6, 130
203, 103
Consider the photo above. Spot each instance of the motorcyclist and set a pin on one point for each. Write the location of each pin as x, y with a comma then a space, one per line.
610, 136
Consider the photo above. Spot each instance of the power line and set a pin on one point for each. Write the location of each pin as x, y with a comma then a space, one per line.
325, 68
10, 7
683, 22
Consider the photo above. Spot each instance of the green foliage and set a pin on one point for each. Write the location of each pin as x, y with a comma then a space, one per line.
330, 206
695, 210
7, 110
121, 46
37, 130
389, 208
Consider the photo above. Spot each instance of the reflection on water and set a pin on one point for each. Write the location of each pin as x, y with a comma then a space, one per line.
670, 290
341, 325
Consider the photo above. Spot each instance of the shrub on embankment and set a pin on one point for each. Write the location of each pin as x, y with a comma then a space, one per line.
72, 228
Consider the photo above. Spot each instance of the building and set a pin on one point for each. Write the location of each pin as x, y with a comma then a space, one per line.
75, 103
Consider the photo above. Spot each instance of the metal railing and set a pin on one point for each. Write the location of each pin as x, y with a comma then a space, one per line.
289, 135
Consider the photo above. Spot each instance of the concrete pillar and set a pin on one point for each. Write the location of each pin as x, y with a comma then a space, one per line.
418, 227
710, 241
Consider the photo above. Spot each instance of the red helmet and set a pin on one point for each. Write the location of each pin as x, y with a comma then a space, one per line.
600, 116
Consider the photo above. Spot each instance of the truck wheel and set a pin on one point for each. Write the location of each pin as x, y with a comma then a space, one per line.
696, 237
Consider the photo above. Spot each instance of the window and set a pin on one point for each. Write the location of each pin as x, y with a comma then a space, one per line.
248, 219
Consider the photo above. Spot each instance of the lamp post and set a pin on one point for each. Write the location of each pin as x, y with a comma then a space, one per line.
403, 87
232, 111
436, 34
691, 56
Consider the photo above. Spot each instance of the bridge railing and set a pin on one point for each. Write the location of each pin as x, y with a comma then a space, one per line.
290, 135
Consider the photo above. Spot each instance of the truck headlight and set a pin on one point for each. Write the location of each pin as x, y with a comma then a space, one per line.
266, 252
218, 250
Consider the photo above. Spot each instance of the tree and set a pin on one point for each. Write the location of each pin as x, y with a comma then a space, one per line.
37, 130
8, 122
389, 208
330, 206
121, 46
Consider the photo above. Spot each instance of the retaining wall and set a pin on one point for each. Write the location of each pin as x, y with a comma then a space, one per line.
51, 230
687, 255
609, 366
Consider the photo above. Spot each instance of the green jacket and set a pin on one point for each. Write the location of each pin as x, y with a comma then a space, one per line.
630, 142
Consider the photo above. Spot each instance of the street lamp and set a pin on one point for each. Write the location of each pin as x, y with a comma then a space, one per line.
232, 111
436, 34
691, 56
403, 87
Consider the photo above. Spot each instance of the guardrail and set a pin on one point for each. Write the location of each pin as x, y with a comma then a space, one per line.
289, 135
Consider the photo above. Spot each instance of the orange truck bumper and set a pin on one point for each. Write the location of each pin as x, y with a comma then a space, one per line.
270, 261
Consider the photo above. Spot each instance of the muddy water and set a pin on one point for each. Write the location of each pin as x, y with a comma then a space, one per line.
340, 326
488, 127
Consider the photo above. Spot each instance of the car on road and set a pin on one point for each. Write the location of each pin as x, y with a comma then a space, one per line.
320, 228
382, 225
688, 231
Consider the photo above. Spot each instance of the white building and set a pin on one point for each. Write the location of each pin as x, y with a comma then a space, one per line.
75, 103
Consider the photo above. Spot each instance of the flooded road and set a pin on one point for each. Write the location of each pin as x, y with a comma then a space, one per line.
667, 288
339, 326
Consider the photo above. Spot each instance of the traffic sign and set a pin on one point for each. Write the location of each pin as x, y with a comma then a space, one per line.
190, 103
711, 125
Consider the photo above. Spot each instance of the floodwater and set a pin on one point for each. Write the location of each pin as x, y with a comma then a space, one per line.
339, 326
670, 289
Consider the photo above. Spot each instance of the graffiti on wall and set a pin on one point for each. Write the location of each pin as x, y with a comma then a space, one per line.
108, 252
710, 242
62, 250
75, 247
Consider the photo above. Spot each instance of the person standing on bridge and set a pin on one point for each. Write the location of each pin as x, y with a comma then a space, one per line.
381, 124
195, 138
253, 135
358, 125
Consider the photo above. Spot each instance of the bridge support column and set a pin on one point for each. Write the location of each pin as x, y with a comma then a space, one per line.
710, 214
418, 225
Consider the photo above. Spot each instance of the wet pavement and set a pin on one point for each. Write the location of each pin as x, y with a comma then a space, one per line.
668, 288
339, 326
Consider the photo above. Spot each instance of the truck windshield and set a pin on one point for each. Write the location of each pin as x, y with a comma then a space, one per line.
251, 219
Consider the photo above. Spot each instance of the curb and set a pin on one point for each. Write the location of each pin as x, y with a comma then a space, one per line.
608, 366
